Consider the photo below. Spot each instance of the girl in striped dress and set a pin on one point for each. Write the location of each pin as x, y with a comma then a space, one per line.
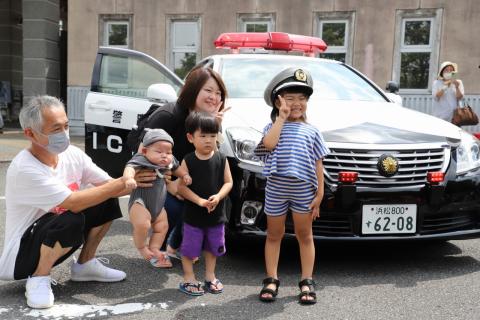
292, 151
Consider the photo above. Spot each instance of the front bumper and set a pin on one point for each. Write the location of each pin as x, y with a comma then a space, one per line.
444, 213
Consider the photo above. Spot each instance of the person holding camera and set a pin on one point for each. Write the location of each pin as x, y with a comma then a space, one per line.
447, 90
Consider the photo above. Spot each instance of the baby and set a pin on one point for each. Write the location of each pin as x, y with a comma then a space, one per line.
146, 204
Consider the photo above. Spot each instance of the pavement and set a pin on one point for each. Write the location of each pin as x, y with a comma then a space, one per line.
12, 141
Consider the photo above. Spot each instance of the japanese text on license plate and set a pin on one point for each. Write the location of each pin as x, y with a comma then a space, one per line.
389, 218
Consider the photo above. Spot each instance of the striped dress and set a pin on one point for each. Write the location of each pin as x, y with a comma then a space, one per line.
299, 147
290, 168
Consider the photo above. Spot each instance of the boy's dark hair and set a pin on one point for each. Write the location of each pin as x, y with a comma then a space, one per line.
203, 121
275, 112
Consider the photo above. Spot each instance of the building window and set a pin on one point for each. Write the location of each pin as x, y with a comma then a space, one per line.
415, 53
336, 29
256, 22
184, 45
116, 34
115, 31
417, 44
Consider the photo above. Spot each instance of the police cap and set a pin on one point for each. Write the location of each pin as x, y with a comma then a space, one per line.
293, 77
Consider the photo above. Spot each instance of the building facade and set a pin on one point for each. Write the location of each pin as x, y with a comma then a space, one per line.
32, 51
400, 40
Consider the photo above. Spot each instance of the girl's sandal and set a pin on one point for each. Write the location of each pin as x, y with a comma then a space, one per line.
265, 290
307, 296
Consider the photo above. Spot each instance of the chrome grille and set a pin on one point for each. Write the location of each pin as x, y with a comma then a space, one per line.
413, 166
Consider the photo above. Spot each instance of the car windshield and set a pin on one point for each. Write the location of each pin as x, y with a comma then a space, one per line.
247, 78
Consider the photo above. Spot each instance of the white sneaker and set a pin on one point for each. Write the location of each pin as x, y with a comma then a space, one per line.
94, 270
39, 292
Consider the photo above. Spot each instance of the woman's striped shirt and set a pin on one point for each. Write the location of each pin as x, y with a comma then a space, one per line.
299, 147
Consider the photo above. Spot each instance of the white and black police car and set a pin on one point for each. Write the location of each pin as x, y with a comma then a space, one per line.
392, 174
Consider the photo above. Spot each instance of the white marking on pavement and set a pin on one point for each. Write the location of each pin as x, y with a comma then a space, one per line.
69, 311
122, 197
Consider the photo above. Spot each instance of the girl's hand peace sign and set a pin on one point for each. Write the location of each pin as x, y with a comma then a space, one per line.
284, 110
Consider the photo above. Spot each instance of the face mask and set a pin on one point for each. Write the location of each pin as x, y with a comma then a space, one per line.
447, 75
57, 142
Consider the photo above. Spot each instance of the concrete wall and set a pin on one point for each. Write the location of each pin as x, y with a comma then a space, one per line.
373, 49
5, 41
41, 68
11, 62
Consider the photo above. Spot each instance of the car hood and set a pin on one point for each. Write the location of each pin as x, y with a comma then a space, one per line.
353, 122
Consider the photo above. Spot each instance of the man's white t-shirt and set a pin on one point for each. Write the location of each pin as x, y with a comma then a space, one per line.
33, 189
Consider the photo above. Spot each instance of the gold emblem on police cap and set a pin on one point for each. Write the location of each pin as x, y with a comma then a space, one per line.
300, 75
387, 165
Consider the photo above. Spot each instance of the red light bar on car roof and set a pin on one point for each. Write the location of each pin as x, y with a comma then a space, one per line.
270, 41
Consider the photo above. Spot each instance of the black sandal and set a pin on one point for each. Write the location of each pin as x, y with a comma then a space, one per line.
304, 295
265, 290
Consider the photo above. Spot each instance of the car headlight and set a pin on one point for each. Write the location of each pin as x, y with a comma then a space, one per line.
243, 141
468, 153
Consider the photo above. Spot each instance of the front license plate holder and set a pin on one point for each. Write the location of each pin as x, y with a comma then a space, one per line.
389, 219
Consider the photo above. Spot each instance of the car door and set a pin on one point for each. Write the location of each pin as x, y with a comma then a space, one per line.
118, 95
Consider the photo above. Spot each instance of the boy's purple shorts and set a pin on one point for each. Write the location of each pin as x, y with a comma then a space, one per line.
195, 240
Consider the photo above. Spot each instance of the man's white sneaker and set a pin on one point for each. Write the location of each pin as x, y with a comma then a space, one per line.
94, 270
39, 292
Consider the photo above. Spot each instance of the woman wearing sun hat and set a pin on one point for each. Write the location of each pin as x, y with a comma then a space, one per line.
447, 90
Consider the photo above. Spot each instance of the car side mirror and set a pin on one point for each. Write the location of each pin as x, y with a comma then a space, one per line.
161, 93
392, 87
394, 98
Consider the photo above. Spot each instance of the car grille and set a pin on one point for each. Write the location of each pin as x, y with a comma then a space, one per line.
413, 166
448, 223
333, 226
327, 226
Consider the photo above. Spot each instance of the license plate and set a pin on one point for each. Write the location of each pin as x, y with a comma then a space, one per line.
389, 218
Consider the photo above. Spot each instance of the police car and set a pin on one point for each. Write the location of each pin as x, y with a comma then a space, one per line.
392, 174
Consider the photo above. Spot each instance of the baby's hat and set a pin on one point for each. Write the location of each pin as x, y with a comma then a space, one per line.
154, 135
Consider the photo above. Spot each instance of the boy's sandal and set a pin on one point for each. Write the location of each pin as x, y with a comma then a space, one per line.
265, 290
188, 288
307, 296
212, 286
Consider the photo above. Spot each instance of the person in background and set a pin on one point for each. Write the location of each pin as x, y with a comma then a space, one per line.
48, 215
447, 91
1, 122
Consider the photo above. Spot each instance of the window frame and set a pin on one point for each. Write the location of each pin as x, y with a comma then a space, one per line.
347, 17
402, 17
108, 19
171, 49
100, 74
243, 19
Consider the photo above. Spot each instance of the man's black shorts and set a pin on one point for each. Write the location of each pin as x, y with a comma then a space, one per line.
69, 229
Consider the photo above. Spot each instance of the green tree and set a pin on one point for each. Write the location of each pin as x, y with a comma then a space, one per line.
187, 63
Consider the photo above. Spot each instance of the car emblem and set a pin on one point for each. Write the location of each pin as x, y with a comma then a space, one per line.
300, 75
387, 165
